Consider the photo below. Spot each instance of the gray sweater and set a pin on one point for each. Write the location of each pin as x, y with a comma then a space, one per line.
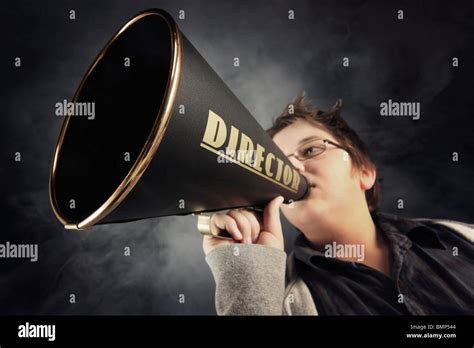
254, 279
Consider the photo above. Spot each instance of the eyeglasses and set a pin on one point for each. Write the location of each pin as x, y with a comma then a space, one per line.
313, 148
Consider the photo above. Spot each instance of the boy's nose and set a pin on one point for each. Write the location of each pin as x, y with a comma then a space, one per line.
297, 164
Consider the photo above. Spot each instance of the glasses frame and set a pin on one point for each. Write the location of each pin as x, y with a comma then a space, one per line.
324, 141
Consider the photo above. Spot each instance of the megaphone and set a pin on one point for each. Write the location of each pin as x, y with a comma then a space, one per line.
166, 136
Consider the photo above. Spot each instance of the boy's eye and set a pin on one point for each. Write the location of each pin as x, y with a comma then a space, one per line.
311, 150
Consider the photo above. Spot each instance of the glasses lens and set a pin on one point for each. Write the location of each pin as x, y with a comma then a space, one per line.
312, 149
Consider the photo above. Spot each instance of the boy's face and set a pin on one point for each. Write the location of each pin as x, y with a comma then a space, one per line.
336, 187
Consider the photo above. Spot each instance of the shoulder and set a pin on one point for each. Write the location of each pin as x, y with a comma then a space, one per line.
464, 229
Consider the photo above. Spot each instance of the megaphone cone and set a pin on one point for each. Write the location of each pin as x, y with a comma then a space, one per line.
163, 135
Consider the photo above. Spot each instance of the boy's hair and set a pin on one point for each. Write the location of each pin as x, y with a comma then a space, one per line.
332, 122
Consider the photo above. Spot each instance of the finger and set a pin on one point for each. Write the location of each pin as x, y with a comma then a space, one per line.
225, 222
256, 227
271, 217
244, 225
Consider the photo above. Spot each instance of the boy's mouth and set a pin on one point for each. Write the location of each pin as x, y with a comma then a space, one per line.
311, 186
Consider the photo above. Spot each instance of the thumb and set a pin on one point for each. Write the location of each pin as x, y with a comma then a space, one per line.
271, 217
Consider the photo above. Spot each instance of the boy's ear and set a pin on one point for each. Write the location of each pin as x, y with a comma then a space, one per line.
367, 176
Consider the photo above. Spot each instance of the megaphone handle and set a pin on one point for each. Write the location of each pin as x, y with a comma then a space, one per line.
205, 228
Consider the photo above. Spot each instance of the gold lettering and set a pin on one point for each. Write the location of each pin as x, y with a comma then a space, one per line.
233, 138
259, 157
279, 169
239, 149
296, 180
268, 164
287, 173
245, 149
216, 131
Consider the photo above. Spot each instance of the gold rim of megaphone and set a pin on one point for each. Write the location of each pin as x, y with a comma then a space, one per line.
153, 141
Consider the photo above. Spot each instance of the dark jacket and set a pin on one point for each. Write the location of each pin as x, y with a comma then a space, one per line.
260, 280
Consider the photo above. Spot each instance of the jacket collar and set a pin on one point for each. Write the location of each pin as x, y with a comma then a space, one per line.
401, 233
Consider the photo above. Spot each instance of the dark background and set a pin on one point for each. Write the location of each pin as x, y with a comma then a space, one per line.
408, 60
